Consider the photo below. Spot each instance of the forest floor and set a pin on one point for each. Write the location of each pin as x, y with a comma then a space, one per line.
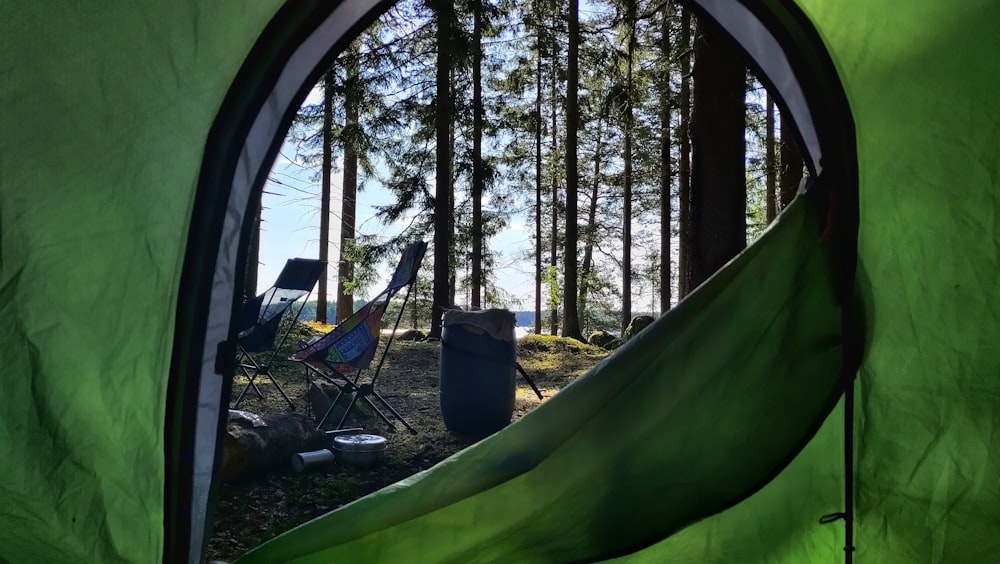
254, 510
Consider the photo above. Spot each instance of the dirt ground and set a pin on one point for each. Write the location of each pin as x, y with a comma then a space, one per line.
254, 510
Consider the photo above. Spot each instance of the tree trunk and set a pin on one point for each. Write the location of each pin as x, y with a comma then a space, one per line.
324, 196
477, 155
571, 317
538, 182
414, 300
253, 255
666, 170
769, 164
345, 273
453, 257
718, 181
250, 451
591, 233
684, 167
791, 165
627, 211
442, 196
553, 155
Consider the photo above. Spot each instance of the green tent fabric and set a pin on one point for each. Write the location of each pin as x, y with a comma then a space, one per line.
925, 105
780, 523
135, 134
106, 108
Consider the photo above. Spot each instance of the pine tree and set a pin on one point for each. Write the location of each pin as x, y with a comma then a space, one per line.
770, 164
554, 168
628, 179
718, 191
590, 231
571, 319
666, 171
684, 166
538, 169
444, 12
478, 173
790, 164
324, 197
253, 255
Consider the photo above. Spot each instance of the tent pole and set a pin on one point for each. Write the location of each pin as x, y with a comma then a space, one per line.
849, 471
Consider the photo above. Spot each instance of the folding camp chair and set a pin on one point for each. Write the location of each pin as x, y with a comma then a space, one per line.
352, 345
261, 317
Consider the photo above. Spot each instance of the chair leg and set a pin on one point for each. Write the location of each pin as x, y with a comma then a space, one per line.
250, 384
363, 393
379, 412
348, 386
291, 404
343, 418
265, 371
360, 392
352, 386
245, 368
395, 413
329, 410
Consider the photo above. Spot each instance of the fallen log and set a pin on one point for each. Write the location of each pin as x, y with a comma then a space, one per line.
257, 444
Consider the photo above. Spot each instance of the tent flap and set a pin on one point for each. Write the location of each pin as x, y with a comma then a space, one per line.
683, 421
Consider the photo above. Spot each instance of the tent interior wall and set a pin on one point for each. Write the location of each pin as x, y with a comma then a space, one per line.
137, 134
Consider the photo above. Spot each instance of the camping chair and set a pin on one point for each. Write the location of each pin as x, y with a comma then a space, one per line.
352, 345
261, 317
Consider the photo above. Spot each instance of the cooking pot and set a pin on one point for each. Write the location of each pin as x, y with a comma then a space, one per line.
360, 449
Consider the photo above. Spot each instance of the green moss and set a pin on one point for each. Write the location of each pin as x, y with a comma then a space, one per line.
554, 343
604, 340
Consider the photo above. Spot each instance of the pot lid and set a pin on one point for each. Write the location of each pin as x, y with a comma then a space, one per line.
360, 442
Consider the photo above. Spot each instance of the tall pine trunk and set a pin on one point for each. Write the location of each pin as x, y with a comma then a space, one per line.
666, 170
253, 255
538, 179
770, 167
718, 181
791, 165
684, 167
553, 154
414, 304
591, 233
627, 211
453, 257
477, 154
324, 196
345, 276
442, 187
571, 316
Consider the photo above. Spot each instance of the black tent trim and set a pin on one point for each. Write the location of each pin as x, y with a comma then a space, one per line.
301, 40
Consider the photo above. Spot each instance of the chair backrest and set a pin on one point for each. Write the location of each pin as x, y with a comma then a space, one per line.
260, 316
300, 274
349, 342
406, 271
352, 343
